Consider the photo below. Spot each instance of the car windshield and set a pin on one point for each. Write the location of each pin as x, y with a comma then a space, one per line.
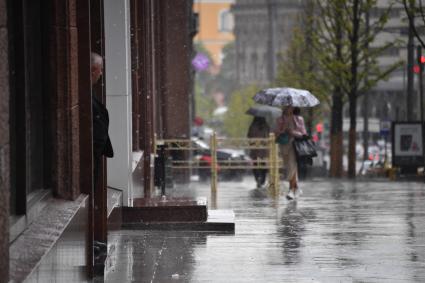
200, 143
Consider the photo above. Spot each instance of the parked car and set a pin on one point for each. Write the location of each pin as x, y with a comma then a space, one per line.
202, 153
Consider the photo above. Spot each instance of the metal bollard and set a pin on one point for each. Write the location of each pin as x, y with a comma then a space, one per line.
276, 168
214, 175
272, 171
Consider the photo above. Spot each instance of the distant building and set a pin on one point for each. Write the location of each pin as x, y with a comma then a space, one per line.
263, 31
215, 26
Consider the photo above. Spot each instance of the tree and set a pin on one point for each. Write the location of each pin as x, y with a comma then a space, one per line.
204, 104
415, 9
359, 36
343, 35
236, 121
204, 77
298, 69
226, 80
314, 60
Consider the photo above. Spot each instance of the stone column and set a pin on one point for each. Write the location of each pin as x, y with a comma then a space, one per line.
177, 78
65, 99
4, 144
118, 94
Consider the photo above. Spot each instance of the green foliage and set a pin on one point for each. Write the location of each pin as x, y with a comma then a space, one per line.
204, 104
236, 122
342, 40
330, 54
226, 80
299, 66
342, 26
207, 82
204, 78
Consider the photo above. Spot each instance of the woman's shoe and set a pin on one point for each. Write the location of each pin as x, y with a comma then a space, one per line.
290, 195
298, 193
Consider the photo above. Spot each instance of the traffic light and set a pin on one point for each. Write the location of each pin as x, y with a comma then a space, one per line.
420, 60
416, 69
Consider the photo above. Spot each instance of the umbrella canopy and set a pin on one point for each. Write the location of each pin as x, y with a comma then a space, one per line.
268, 112
286, 96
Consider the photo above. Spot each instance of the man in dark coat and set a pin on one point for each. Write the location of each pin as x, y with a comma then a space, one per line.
101, 141
101, 147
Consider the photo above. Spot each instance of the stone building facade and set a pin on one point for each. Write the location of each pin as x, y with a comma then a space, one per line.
263, 31
50, 213
215, 26
4, 142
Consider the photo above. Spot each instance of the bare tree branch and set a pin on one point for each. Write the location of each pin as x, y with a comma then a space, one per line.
411, 23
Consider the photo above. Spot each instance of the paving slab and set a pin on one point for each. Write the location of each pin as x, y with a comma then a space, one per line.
336, 231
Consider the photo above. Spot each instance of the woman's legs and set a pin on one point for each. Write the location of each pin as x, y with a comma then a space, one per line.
263, 174
256, 176
293, 184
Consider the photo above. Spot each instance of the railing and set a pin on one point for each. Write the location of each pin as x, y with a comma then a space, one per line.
272, 162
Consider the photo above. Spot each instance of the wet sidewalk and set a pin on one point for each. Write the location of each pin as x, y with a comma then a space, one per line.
336, 232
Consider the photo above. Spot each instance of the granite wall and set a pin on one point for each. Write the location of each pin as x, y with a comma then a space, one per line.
4, 143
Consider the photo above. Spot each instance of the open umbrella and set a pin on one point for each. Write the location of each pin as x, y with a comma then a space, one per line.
286, 96
268, 112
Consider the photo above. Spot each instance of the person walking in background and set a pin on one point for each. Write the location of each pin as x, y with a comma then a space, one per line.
259, 129
288, 127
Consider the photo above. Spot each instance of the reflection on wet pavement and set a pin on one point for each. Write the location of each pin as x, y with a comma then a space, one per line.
336, 232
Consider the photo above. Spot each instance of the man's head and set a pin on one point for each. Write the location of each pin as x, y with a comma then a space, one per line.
96, 67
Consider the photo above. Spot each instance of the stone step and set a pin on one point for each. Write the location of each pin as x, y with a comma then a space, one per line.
218, 221
166, 210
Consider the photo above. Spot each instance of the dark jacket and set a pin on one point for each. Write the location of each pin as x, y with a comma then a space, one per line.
101, 142
258, 129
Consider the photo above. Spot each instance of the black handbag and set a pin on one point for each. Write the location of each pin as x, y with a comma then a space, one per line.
304, 147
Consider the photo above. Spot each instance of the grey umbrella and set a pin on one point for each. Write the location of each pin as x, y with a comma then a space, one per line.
268, 112
286, 96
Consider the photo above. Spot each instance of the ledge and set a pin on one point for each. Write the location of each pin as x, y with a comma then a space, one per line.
114, 199
28, 250
137, 157
35, 204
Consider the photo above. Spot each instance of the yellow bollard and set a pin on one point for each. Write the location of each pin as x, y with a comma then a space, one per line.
214, 175
276, 168
271, 163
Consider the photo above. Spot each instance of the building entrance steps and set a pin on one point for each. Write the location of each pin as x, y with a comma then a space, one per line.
176, 213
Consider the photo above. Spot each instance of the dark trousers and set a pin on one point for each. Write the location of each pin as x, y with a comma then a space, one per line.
260, 176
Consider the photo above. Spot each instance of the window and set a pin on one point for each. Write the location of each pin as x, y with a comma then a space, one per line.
226, 21
390, 51
29, 102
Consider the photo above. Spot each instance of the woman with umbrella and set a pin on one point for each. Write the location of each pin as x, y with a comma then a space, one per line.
289, 127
